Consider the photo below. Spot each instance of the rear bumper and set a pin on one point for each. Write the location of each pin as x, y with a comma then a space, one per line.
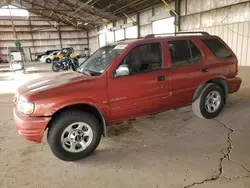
31, 128
233, 84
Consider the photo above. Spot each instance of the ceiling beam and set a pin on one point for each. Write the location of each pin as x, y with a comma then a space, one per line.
77, 10
43, 7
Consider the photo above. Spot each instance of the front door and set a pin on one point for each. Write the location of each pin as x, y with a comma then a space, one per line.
145, 90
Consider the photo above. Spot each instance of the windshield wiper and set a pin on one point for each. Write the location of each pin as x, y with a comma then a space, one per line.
83, 72
92, 72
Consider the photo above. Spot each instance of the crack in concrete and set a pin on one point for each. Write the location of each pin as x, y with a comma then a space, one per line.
229, 139
239, 165
235, 178
225, 156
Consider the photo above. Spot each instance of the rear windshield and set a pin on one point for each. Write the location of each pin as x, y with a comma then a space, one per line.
217, 48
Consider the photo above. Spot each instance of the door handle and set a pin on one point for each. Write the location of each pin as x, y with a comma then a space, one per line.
204, 70
161, 78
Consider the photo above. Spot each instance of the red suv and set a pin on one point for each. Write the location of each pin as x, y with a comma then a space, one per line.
123, 81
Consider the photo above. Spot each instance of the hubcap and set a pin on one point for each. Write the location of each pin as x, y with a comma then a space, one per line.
213, 101
76, 137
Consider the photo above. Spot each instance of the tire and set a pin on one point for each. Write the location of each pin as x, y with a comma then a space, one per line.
59, 127
56, 67
201, 105
48, 60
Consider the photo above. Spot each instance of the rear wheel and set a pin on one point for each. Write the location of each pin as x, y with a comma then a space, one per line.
210, 102
74, 135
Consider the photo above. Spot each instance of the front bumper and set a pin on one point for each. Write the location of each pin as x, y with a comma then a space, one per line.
233, 84
31, 128
42, 60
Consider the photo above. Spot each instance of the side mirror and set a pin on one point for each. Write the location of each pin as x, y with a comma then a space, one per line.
122, 70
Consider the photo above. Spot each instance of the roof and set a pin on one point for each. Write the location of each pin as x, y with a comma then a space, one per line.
84, 14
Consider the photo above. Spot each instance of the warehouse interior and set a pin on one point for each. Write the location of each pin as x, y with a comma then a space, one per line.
174, 149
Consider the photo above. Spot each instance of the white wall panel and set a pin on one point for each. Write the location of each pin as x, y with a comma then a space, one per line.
245, 44
195, 6
183, 7
237, 36
42, 39
162, 8
46, 42
74, 41
93, 33
146, 30
93, 44
6, 36
119, 22
44, 23
144, 17
12, 43
74, 34
133, 17
231, 23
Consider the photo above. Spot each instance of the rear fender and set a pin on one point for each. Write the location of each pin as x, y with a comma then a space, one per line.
219, 80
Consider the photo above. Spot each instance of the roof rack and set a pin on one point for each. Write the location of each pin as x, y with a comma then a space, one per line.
130, 39
177, 33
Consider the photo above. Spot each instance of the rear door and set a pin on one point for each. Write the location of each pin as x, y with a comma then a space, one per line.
187, 72
146, 89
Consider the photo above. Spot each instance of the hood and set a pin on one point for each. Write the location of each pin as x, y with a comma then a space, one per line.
58, 80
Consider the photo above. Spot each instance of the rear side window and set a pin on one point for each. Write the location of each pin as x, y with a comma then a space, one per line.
196, 53
184, 52
217, 48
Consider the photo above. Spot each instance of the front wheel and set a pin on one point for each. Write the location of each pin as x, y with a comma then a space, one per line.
74, 135
210, 102
48, 60
56, 67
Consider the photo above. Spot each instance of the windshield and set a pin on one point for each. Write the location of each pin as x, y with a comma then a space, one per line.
101, 59
53, 53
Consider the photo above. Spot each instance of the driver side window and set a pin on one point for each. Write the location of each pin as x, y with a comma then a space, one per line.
144, 58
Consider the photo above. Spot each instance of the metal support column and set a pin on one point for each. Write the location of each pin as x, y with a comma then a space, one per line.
177, 17
32, 38
60, 36
138, 24
88, 43
175, 12
12, 23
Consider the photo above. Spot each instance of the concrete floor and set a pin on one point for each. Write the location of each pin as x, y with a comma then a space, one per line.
174, 149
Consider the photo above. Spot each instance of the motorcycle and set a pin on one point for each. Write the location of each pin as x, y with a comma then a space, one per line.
66, 63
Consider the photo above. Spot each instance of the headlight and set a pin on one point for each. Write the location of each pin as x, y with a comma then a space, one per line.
25, 107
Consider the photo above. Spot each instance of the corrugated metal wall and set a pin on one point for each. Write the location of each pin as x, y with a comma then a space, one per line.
229, 19
236, 36
37, 35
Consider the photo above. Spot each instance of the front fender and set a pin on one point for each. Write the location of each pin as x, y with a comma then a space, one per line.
99, 106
